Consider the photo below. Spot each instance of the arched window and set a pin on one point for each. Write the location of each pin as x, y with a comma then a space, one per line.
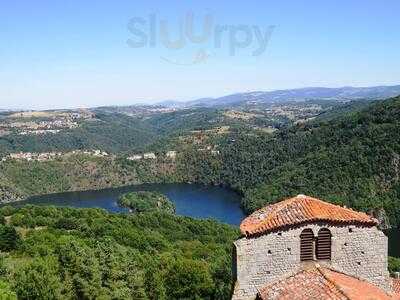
324, 244
306, 245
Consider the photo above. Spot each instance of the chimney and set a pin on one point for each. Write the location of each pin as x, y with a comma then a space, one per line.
396, 275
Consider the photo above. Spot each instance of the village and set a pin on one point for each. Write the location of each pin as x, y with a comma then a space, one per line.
38, 127
47, 156
290, 111
294, 111
42, 122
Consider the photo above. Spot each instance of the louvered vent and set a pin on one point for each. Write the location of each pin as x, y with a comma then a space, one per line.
306, 245
234, 263
324, 244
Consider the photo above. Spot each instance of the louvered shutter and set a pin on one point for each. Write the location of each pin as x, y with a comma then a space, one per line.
324, 244
234, 263
306, 245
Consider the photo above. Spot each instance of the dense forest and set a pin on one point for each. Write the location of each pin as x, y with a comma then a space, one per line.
353, 160
351, 157
144, 201
114, 132
65, 253
21, 179
109, 132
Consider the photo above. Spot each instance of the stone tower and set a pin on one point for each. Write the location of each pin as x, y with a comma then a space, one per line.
304, 234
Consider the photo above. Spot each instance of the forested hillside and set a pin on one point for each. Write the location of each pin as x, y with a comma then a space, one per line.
108, 132
122, 131
21, 179
351, 157
353, 160
64, 253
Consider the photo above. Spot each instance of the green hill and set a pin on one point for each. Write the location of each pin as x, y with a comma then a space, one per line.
352, 160
350, 157
64, 253
108, 132
144, 201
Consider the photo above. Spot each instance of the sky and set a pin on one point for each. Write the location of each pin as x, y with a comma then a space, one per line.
64, 54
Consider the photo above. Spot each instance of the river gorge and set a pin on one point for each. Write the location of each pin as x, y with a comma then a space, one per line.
193, 200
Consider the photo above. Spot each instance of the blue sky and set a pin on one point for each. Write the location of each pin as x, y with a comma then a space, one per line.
76, 53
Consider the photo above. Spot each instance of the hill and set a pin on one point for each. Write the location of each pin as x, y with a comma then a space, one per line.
108, 132
301, 94
353, 159
64, 253
349, 155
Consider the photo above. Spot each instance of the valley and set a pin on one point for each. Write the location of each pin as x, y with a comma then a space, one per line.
313, 151
219, 163
199, 150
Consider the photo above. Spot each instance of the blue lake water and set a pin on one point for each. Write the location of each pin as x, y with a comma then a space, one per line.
191, 200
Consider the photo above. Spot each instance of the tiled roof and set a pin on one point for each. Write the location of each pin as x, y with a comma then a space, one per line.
298, 210
320, 284
396, 286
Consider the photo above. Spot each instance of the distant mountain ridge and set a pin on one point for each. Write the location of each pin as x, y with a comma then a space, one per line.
301, 94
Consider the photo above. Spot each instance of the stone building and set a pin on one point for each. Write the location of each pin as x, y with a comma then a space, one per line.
305, 248
171, 154
149, 155
135, 157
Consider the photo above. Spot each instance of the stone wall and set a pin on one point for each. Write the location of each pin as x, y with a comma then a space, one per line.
360, 252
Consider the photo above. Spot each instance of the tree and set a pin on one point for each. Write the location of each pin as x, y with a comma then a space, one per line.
5, 292
38, 279
188, 279
394, 264
152, 255
9, 238
154, 280
80, 265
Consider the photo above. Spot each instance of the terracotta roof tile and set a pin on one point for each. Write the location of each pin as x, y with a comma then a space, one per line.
299, 210
355, 289
396, 286
321, 283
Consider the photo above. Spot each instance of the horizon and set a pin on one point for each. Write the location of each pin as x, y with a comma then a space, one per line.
103, 54
160, 101
143, 143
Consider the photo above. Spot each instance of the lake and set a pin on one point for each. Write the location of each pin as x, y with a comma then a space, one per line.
191, 200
